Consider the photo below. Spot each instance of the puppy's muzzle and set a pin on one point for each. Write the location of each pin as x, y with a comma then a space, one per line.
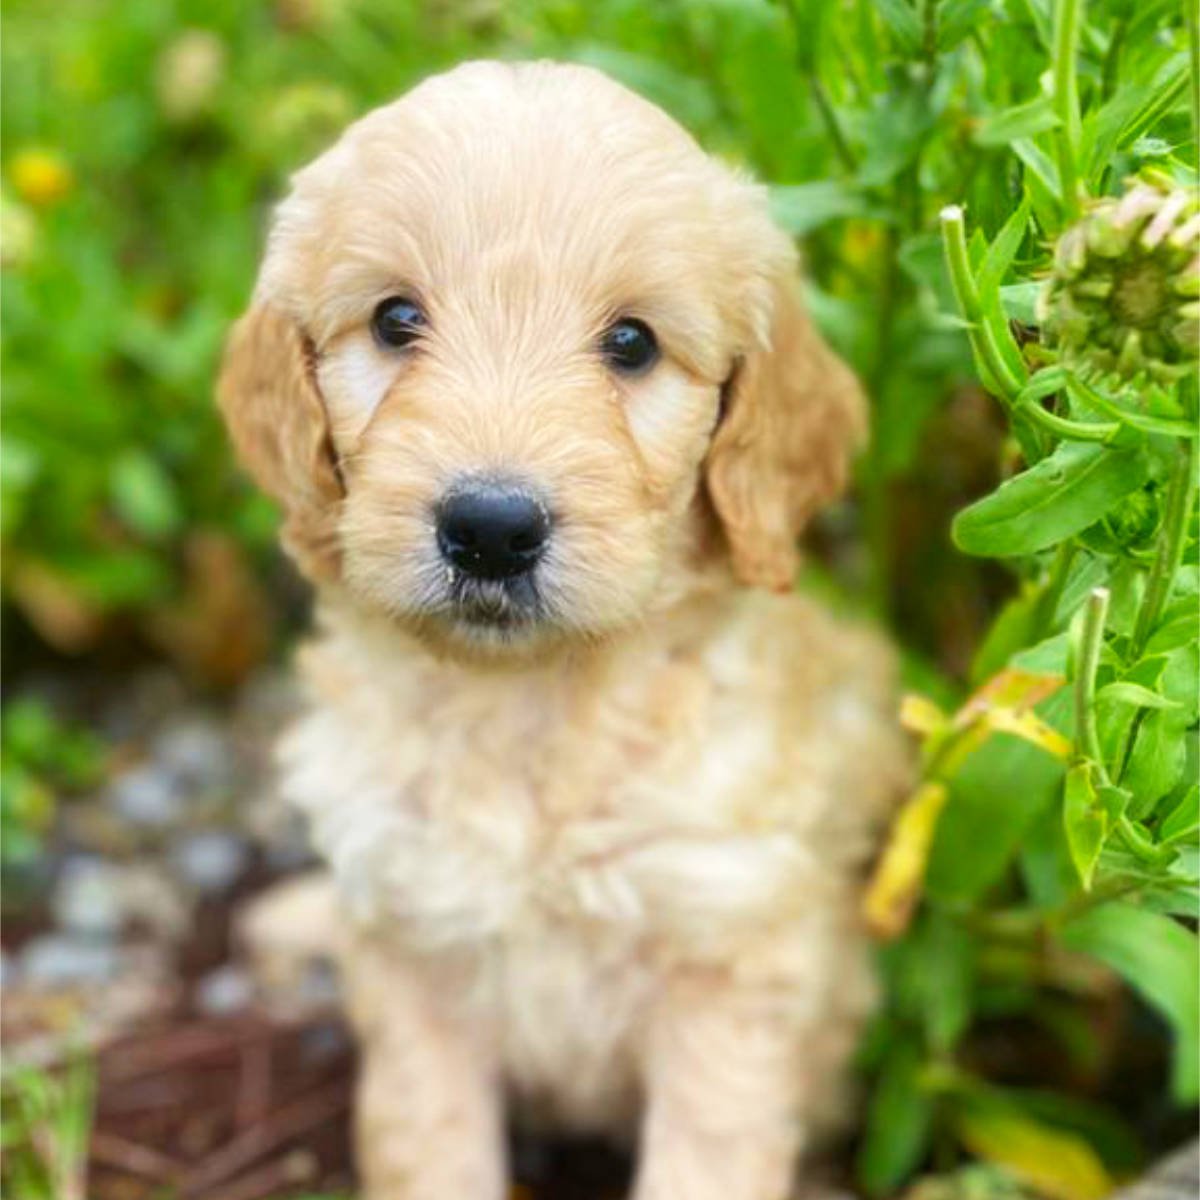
492, 531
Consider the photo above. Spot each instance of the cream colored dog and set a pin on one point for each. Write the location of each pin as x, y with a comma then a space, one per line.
529, 374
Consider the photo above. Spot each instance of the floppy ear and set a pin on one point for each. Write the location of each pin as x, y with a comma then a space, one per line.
793, 415
268, 394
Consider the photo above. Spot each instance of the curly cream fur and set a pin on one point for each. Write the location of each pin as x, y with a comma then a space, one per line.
604, 865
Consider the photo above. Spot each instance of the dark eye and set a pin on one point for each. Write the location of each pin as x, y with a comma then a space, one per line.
629, 345
397, 321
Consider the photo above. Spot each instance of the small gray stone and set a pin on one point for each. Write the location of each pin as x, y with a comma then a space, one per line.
225, 990
196, 751
211, 860
58, 960
317, 986
147, 795
88, 898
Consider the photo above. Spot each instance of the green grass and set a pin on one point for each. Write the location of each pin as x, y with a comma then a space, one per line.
44, 1132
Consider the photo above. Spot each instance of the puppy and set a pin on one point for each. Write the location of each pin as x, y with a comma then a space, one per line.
531, 379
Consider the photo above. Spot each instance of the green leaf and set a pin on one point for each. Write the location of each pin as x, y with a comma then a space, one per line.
118, 578
1181, 681
1160, 960
1020, 302
1040, 164
144, 496
1156, 761
1003, 250
1048, 657
1060, 496
1085, 822
1012, 628
1002, 788
1023, 121
1087, 572
902, 22
930, 977
898, 1123
947, 978
1175, 630
956, 19
1184, 819
1131, 111
892, 133
1123, 692
803, 207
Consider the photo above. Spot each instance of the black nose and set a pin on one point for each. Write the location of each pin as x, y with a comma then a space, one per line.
491, 533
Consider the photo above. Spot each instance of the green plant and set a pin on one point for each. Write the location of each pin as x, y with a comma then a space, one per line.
1059, 809
44, 1132
41, 758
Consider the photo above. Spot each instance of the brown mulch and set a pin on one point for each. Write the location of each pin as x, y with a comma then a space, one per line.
232, 1108
244, 1108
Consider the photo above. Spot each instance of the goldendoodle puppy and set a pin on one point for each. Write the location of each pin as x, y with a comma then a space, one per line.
530, 377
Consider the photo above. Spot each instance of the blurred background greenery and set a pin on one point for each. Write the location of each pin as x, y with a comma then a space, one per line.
143, 144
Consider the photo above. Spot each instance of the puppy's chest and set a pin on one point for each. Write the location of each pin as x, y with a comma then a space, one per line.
619, 826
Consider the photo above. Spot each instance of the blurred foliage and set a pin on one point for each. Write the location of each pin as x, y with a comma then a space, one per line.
1052, 841
41, 758
44, 1132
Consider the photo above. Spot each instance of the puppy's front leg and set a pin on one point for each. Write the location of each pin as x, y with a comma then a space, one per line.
428, 1121
724, 1085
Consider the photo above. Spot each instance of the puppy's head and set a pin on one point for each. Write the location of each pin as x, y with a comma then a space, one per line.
516, 347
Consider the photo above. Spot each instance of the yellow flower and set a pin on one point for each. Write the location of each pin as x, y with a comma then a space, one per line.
862, 243
41, 176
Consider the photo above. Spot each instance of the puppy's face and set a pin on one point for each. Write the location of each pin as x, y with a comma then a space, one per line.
506, 330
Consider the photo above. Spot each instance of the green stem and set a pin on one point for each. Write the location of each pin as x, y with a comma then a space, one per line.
1139, 845
929, 40
1180, 492
877, 511
1104, 891
1067, 20
1000, 376
1028, 923
1075, 431
1091, 395
833, 124
1087, 740
807, 66
954, 242
1110, 73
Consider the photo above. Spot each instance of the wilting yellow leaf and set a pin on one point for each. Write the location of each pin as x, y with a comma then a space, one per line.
896, 884
1003, 705
919, 715
1011, 688
1051, 1161
1032, 728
